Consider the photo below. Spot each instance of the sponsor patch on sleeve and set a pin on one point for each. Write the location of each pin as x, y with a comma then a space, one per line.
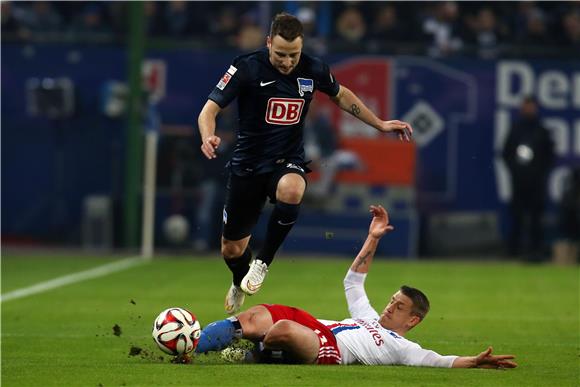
226, 78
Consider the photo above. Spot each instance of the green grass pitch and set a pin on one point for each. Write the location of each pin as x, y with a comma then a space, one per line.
64, 337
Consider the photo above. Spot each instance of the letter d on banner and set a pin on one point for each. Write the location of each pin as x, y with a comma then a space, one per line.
509, 73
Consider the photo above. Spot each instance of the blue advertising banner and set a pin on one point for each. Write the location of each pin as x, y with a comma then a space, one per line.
461, 111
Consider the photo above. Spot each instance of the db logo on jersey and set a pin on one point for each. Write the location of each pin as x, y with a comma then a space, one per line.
284, 111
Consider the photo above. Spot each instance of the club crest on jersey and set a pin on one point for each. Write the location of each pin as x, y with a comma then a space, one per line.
305, 85
284, 111
226, 78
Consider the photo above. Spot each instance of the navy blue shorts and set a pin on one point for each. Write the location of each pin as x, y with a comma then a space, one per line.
246, 197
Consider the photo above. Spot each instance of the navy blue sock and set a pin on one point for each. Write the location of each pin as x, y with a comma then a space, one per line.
281, 222
218, 335
239, 266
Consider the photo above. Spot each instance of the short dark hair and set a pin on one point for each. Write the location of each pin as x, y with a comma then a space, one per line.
287, 26
420, 301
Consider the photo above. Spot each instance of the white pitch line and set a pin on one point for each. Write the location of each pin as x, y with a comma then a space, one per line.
68, 279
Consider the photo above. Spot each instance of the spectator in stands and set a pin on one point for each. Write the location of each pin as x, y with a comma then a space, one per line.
529, 154
153, 23
9, 23
529, 25
184, 19
117, 12
12, 27
225, 26
536, 32
484, 33
519, 18
315, 39
443, 28
39, 20
176, 19
317, 17
351, 27
89, 24
307, 16
386, 26
571, 27
567, 246
250, 37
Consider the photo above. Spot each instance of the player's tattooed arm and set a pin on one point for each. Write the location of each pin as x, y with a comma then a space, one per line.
363, 260
350, 103
379, 226
360, 260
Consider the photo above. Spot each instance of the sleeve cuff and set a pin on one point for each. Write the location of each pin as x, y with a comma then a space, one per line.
355, 278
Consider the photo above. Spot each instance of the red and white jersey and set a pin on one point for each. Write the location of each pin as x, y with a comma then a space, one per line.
362, 340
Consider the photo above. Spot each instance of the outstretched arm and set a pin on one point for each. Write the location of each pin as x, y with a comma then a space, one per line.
356, 297
350, 103
379, 227
485, 360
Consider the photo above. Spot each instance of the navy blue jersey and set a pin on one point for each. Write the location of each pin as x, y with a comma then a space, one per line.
271, 107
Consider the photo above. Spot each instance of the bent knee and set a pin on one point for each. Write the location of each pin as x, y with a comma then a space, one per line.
283, 325
291, 188
279, 334
233, 249
255, 322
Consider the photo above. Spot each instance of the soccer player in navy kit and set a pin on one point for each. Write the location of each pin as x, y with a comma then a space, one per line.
274, 87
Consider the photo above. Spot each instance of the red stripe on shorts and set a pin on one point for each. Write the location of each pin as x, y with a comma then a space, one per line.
328, 352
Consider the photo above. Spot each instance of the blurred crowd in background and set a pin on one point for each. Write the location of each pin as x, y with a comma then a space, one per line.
438, 29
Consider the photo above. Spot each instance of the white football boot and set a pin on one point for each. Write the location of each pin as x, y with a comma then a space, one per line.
252, 282
234, 300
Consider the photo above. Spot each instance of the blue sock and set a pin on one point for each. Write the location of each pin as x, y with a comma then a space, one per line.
218, 335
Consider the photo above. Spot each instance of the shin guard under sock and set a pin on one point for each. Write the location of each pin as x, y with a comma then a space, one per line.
239, 266
281, 222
